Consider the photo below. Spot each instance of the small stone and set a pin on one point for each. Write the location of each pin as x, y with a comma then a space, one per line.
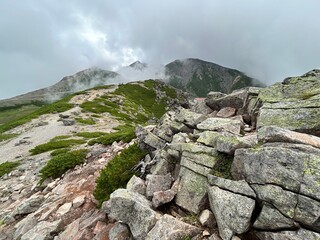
120, 231
136, 184
207, 219
157, 183
162, 197
78, 201
64, 209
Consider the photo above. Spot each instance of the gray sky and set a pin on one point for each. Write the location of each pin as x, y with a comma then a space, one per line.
43, 41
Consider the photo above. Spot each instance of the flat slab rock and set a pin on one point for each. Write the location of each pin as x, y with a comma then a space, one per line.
168, 228
221, 124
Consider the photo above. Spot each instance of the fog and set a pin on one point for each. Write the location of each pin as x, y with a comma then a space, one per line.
43, 41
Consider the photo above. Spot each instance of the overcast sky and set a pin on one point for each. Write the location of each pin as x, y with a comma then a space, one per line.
43, 41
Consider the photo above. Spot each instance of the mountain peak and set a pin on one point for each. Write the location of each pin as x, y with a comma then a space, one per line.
137, 65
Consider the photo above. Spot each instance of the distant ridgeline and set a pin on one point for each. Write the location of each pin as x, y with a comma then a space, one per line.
195, 76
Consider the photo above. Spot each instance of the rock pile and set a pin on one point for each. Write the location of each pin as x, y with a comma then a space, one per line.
217, 168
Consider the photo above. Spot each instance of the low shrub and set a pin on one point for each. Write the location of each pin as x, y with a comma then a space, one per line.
90, 134
59, 151
124, 135
4, 137
7, 167
87, 121
222, 168
56, 144
59, 164
117, 172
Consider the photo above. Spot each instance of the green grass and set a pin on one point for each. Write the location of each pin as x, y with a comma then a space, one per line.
4, 137
86, 121
59, 106
117, 172
59, 164
223, 166
10, 115
55, 144
7, 167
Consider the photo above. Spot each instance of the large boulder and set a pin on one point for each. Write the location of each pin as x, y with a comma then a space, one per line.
221, 124
148, 140
192, 191
293, 104
235, 100
277, 134
30, 205
134, 210
292, 169
301, 234
42, 231
232, 211
271, 219
191, 119
229, 143
157, 183
168, 228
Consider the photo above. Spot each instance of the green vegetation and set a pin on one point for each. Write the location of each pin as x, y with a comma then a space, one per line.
13, 113
56, 144
87, 121
59, 151
124, 135
117, 172
90, 134
7, 167
4, 137
223, 166
59, 164
59, 106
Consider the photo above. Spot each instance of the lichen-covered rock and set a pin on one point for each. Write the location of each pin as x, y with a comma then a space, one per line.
293, 104
271, 219
232, 211
168, 228
191, 119
277, 134
293, 170
235, 100
192, 191
134, 210
137, 185
301, 234
240, 187
228, 143
148, 140
157, 183
221, 124
227, 112
300, 208
208, 138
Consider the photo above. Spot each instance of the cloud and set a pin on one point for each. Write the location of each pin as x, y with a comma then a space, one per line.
43, 41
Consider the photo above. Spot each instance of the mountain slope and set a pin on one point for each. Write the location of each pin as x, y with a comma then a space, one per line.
82, 80
200, 77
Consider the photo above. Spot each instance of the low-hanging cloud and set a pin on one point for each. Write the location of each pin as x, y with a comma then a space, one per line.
43, 41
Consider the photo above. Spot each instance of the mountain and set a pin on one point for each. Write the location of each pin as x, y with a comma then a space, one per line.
200, 77
195, 76
82, 80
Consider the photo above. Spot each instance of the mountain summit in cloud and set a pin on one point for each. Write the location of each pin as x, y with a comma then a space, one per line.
195, 76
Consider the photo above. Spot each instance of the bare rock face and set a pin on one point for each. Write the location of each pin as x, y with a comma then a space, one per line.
221, 124
157, 183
